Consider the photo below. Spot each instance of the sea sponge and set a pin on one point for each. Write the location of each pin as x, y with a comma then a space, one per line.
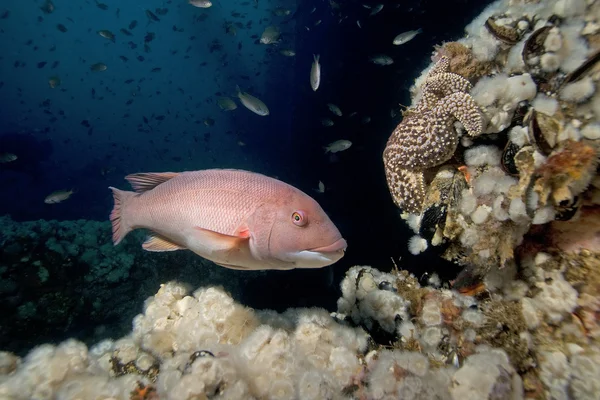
555, 373
585, 368
544, 104
549, 62
417, 245
556, 298
487, 374
578, 91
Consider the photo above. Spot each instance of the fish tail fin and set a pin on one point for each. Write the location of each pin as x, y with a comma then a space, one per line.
420, 30
326, 148
237, 90
316, 57
120, 227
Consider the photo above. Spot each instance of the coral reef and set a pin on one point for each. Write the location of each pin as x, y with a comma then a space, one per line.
62, 277
533, 66
531, 335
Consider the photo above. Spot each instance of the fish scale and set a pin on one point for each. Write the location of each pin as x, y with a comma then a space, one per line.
214, 191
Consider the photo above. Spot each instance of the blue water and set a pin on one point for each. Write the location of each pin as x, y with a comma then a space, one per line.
97, 127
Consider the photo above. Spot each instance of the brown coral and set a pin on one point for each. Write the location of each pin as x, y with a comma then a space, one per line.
462, 61
566, 173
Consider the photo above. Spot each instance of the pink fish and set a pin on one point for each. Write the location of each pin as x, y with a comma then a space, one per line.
235, 218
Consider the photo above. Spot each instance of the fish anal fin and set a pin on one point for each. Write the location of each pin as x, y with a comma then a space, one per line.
145, 181
159, 243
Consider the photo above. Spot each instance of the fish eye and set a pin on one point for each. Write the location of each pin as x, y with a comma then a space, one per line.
299, 218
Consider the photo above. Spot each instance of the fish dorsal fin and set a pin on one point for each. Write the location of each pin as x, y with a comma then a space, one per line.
155, 242
145, 181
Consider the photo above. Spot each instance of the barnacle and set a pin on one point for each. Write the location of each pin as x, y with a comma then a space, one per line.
426, 137
119, 368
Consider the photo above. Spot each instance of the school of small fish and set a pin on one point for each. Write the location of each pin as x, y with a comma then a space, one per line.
245, 243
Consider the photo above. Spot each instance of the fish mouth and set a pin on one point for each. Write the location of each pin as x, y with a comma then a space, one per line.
319, 256
339, 245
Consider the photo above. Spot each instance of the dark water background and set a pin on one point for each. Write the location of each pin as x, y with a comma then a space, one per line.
84, 134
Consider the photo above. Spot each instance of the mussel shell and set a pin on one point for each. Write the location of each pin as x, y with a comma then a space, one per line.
385, 285
505, 34
535, 43
543, 131
434, 216
587, 66
565, 212
508, 158
444, 191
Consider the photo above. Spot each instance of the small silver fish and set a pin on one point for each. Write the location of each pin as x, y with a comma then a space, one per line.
334, 109
54, 82
338, 145
105, 33
226, 104
287, 52
201, 3
281, 12
376, 9
98, 67
381, 59
270, 35
315, 73
252, 103
7, 157
326, 122
58, 196
320, 188
406, 37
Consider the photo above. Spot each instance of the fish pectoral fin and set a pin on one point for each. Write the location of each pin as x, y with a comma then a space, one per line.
145, 181
221, 244
243, 231
159, 243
